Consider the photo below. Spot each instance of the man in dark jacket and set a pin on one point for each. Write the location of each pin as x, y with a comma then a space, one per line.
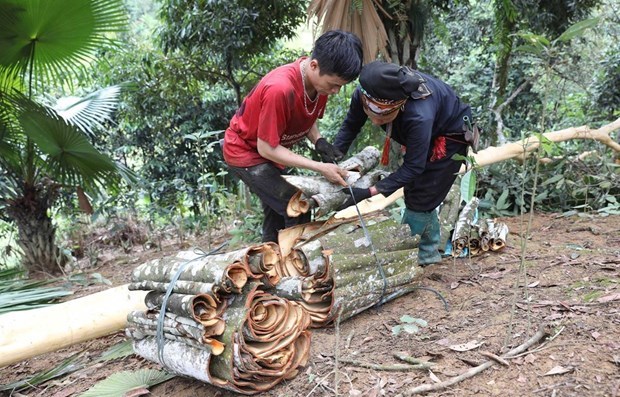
424, 115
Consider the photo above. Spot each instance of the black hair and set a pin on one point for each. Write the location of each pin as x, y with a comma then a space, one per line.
339, 53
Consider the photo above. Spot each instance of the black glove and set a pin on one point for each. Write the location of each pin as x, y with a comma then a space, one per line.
328, 152
359, 194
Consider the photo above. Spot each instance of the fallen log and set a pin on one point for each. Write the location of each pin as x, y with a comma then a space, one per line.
29, 333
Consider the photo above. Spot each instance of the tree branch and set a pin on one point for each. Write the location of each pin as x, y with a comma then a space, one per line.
476, 370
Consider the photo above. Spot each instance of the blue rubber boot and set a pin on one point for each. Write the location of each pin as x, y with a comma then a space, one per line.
426, 225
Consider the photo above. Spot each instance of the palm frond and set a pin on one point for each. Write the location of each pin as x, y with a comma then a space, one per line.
17, 293
66, 366
70, 157
10, 139
119, 350
30, 298
122, 383
90, 111
52, 39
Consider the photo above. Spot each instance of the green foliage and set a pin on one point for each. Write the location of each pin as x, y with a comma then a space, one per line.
172, 120
53, 40
566, 184
125, 382
248, 230
67, 366
43, 47
17, 293
468, 186
230, 30
410, 325
335, 113
223, 37
8, 254
607, 86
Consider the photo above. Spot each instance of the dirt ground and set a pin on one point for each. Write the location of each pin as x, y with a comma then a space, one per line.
570, 286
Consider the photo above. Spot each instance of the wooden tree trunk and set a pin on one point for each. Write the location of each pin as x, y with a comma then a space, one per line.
36, 232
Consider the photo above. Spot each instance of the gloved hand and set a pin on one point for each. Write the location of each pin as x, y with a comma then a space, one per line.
359, 194
328, 152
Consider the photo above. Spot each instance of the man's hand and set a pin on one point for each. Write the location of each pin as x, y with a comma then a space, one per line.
358, 195
328, 152
333, 173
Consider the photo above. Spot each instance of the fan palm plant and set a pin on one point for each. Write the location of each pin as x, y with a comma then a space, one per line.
43, 46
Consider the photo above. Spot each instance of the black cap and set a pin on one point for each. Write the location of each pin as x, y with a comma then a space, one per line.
383, 80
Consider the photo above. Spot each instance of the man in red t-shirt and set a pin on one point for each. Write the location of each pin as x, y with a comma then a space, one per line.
281, 110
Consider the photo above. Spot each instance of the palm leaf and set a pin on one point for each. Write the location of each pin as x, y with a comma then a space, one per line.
70, 157
67, 366
30, 298
17, 293
53, 39
90, 111
119, 350
10, 140
360, 17
120, 384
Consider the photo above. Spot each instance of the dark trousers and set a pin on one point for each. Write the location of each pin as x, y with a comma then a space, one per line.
265, 180
431, 187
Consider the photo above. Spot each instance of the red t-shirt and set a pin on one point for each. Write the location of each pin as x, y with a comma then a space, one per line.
273, 111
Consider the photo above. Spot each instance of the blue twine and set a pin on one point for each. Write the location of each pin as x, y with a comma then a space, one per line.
160, 319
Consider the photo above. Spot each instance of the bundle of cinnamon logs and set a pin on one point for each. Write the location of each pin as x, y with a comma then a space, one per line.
241, 320
474, 236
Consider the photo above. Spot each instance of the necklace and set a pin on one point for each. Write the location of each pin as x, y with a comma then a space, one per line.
302, 69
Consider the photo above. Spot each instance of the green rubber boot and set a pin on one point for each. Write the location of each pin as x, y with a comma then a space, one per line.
426, 225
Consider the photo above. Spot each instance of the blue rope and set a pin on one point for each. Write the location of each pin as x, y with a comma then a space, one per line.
160, 319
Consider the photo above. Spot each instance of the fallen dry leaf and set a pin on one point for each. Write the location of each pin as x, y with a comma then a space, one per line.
433, 377
554, 316
464, 347
355, 393
609, 298
444, 342
559, 370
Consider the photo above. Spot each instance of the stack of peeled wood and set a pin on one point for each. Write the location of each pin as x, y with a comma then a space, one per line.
477, 236
240, 320
219, 325
335, 271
